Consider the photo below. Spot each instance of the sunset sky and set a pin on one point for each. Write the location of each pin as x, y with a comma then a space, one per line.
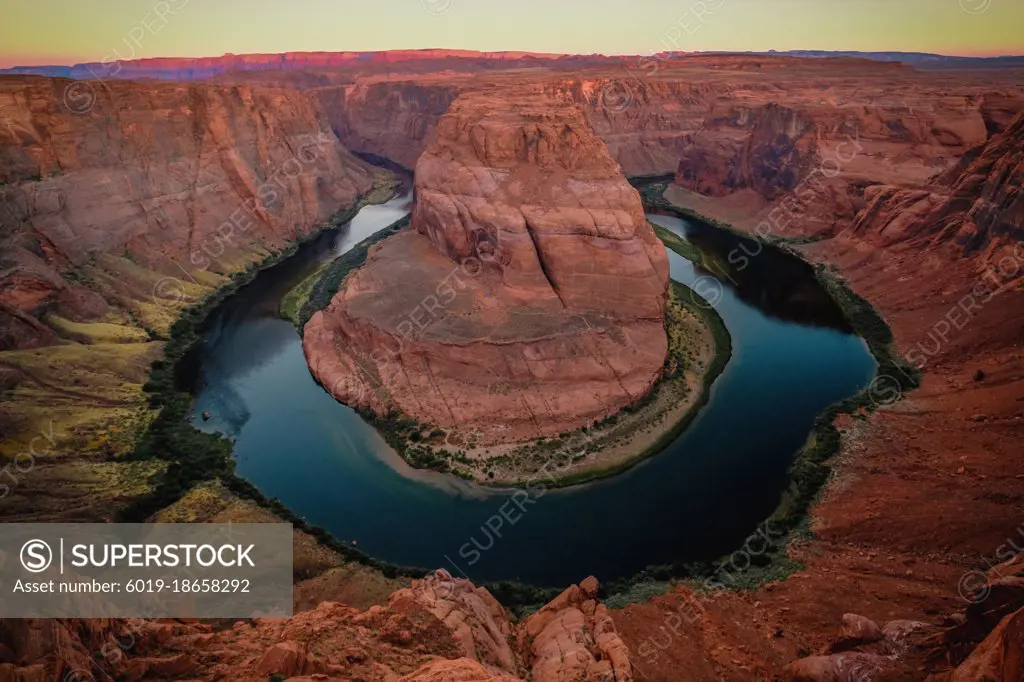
71, 31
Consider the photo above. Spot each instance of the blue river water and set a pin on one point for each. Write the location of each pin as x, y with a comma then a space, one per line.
793, 355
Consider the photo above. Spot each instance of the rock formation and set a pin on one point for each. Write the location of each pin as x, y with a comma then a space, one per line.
531, 286
861, 651
721, 125
810, 156
127, 183
573, 638
1000, 657
477, 621
438, 630
394, 121
976, 207
982, 636
770, 159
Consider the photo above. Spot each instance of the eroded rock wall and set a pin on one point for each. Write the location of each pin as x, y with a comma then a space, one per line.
395, 121
439, 629
143, 180
978, 206
531, 285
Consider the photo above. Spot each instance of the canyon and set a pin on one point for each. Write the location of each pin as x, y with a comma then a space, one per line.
117, 217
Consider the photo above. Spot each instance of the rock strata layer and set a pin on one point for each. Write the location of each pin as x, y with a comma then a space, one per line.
131, 195
527, 300
977, 207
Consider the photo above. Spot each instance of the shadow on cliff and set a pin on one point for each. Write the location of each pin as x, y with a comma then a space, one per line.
777, 284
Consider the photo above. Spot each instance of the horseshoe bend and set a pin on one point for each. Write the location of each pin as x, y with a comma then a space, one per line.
543, 367
547, 286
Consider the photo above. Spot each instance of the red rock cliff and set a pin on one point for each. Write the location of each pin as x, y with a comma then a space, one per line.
439, 629
532, 286
977, 207
128, 182
395, 121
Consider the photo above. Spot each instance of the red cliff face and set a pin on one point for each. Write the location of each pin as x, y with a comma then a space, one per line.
776, 152
977, 207
532, 287
392, 120
754, 127
126, 183
834, 133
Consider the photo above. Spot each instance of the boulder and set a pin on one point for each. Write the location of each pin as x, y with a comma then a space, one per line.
573, 639
477, 621
844, 667
857, 631
1000, 657
287, 658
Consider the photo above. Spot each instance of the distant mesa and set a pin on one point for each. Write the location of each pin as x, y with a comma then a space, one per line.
187, 68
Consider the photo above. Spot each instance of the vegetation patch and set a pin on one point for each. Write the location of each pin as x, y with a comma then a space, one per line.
96, 332
320, 287
294, 301
79, 398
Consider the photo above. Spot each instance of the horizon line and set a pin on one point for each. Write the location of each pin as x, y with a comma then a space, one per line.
520, 52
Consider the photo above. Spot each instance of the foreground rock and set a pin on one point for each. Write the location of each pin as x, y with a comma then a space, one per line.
861, 652
573, 638
439, 629
529, 299
476, 620
1000, 658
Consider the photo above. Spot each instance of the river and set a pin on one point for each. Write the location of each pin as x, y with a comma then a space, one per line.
793, 355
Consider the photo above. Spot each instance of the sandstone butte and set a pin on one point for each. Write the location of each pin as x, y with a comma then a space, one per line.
923, 221
531, 285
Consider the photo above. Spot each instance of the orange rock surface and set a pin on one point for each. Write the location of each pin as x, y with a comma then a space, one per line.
439, 629
978, 206
532, 286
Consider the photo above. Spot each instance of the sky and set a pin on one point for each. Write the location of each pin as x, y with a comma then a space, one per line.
73, 31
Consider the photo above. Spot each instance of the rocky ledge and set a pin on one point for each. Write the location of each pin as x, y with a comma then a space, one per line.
529, 297
439, 629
